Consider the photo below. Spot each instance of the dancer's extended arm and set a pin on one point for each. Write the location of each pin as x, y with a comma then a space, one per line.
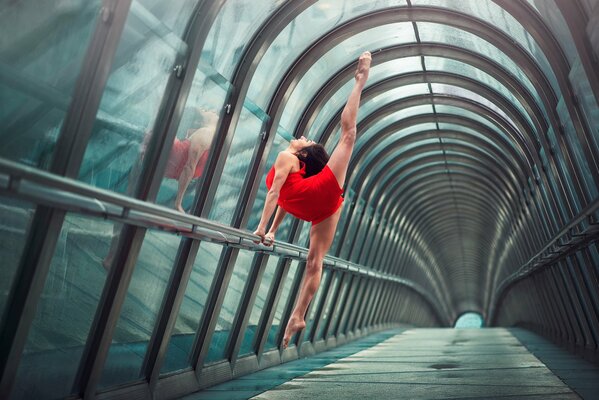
279, 216
283, 166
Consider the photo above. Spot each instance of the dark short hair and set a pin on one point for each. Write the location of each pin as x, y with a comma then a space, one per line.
315, 157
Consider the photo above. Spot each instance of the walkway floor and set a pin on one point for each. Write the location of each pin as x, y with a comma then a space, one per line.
428, 364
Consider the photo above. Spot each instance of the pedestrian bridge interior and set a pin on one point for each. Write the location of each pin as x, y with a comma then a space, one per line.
473, 188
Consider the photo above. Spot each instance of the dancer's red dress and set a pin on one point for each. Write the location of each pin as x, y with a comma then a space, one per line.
178, 158
312, 199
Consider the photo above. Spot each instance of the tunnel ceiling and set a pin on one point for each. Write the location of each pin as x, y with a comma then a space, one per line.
455, 125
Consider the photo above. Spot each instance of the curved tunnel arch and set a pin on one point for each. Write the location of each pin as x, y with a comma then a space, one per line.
473, 184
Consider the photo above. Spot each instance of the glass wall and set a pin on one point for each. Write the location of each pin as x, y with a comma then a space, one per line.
140, 309
16, 218
230, 307
41, 55
65, 311
180, 347
460, 116
285, 303
150, 45
258, 311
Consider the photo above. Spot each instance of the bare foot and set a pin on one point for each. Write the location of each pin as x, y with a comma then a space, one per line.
363, 67
180, 208
294, 325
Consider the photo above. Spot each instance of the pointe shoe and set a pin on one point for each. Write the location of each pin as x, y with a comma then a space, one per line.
363, 68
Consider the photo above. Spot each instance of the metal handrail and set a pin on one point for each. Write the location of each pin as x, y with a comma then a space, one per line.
42, 187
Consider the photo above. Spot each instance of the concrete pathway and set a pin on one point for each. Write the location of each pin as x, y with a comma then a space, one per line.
423, 364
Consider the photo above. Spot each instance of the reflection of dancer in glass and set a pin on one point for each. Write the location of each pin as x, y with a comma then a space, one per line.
305, 182
188, 157
186, 162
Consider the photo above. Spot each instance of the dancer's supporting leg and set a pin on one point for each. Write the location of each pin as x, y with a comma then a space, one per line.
201, 140
322, 234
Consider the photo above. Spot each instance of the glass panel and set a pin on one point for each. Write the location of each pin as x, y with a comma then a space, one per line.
577, 153
452, 110
228, 311
39, 66
457, 67
585, 95
374, 153
346, 53
65, 311
280, 143
590, 5
332, 106
594, 252
315, 305
346, 207
304, 235
553, 183
353, 306
358, 241
502, 20
367, 245
346, 249
554, 20
289, 280
327, 306
375, 130
298, 35
192, 307
134, 92
16, 217
140, 309
397, 93
263, 293
343, 298
239, 159
379, 101
191, 147
437, 33
299, 98
230, 33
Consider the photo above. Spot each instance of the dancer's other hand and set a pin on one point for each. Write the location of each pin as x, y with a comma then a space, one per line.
363, 67
260, 232
269, 238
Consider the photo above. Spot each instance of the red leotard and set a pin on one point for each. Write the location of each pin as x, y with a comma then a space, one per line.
178, 158
312, 199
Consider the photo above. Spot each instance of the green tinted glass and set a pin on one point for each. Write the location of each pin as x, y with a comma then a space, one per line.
229, 308
66, 309
180, 347
41, 53
140, 309
249, 336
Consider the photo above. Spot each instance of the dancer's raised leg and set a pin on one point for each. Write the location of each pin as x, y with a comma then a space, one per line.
321, 238
339, 160
322, 234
